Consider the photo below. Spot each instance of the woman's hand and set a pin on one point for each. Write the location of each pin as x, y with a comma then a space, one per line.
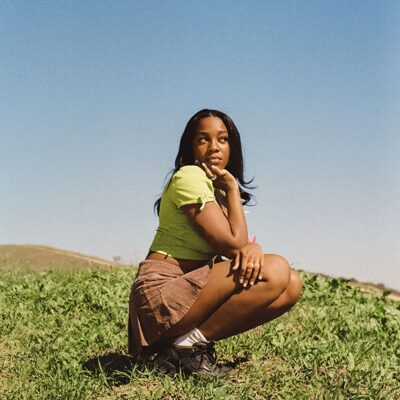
222, 178
250, 259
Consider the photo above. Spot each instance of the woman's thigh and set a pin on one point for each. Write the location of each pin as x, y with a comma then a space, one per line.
223, 283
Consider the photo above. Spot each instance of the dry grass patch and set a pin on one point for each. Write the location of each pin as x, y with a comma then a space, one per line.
30, 258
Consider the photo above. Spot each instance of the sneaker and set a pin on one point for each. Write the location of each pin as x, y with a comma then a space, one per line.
166, 363
198, 359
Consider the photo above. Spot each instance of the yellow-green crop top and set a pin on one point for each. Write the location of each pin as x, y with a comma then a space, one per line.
176, 236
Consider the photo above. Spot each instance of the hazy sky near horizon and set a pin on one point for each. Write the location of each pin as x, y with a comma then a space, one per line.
94, 97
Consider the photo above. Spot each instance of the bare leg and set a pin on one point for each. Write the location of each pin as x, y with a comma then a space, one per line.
223, 308
232, 317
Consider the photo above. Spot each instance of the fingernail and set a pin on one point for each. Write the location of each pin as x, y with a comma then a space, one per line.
241, 280
245, 284
252, 283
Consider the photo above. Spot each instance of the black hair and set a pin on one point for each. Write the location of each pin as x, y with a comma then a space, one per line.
235, 165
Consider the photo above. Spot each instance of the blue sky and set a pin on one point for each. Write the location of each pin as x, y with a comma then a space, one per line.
95, 95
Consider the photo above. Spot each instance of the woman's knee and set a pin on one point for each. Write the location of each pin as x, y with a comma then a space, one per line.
275, 278
293, 290
277, 272
290, 295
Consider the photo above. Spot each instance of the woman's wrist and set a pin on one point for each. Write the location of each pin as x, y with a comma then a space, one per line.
232, 187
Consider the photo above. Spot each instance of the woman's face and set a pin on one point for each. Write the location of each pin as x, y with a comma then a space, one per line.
211, 142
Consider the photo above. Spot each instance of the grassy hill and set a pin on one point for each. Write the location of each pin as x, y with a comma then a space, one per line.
63, 336
43, 258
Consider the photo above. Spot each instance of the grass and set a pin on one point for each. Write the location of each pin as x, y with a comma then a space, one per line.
63, 336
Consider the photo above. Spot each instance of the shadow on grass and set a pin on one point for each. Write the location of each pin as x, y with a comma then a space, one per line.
115, 366
235, 363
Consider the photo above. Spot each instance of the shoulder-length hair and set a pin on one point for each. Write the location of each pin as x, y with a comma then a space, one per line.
235, 165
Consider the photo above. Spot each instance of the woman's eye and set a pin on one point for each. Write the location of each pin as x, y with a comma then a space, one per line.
223, 139
202, 140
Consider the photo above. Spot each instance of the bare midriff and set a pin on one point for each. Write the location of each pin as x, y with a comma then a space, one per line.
185, 264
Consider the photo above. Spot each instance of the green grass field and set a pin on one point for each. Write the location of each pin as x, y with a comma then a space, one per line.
63, 336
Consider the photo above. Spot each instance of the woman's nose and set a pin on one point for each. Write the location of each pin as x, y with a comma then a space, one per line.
214, 145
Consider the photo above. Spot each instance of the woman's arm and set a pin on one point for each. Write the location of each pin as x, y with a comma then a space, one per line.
226, 234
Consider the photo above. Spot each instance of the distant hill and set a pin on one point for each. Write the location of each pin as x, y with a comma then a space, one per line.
379, 289
43, 258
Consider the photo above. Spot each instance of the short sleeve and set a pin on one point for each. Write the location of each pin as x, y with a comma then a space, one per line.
191, 185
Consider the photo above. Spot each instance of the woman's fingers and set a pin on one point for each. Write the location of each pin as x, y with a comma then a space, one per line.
236, 262
208, 171
260, 274
251, 270
218, 171
255, 272
250, 259
253, 267
243, 268
214, 172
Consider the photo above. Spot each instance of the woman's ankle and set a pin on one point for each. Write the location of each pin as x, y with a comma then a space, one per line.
190, 338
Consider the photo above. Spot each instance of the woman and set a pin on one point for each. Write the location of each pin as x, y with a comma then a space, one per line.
185, 296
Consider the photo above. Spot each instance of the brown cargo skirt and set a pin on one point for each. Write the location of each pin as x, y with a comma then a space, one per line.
161, 295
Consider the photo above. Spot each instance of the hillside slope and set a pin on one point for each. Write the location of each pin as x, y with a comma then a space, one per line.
28, 257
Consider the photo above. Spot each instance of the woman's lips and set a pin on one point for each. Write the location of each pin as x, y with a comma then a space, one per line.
213, 160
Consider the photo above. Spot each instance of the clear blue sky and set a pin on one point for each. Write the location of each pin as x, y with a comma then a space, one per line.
95, 95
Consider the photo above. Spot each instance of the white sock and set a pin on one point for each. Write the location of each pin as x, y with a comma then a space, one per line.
190, 338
